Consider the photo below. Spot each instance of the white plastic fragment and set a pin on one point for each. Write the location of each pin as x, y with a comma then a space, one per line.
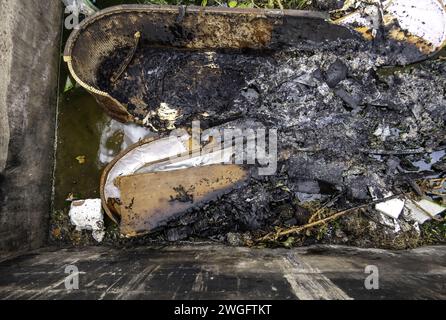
392, 207
388, 211
87, 215
418, 209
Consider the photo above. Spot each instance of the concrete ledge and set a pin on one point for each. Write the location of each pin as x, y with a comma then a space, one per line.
29, 50
218, 272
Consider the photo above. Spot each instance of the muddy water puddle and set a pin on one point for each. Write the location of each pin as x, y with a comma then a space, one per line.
78, 170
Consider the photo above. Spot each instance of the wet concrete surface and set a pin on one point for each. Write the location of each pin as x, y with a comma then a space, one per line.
216, 272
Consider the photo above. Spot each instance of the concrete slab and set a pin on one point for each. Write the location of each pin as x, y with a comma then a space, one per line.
218, 272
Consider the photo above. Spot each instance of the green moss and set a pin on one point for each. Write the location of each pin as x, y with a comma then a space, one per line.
433, 232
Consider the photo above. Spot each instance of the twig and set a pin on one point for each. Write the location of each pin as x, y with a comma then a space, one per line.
273, 236
325, 205
440, 194
438, 183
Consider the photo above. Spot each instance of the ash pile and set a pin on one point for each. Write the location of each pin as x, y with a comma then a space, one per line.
349, 132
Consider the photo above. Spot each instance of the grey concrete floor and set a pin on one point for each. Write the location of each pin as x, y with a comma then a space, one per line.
218, 272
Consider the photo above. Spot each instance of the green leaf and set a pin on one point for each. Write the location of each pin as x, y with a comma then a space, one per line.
289, 242
232, 4
68, 85
245, 5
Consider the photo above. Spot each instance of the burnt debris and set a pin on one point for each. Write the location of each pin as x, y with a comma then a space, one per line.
332, 107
